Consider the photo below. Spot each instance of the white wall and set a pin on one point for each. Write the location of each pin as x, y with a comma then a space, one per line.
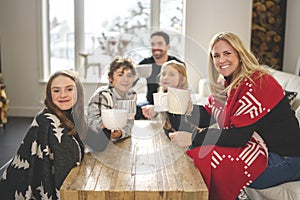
20, 60
20, 41
205, 18
292, 36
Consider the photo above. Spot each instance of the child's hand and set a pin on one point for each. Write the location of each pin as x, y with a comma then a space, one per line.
116, 134
102, 126
148, 111
181, 138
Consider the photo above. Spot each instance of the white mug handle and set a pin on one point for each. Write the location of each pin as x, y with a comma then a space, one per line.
164, 100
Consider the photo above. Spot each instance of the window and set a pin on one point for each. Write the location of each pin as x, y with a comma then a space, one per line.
61, 33
85, 35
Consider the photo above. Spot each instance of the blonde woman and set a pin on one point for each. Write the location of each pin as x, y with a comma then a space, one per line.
257, 142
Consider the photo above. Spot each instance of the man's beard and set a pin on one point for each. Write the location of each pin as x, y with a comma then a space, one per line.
159, 55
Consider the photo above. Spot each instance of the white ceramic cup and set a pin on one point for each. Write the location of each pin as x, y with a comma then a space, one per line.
178, 100
129, 105
144, 70
160, 102
114, 118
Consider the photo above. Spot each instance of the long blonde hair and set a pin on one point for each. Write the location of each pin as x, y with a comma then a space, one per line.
183, 83
248, 65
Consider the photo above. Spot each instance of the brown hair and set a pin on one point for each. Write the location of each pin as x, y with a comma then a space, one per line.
162, 34
77, 109
119, 62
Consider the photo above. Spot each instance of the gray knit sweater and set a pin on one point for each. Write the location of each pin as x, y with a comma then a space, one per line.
106, 98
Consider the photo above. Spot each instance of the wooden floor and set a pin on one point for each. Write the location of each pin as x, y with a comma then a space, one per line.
11, 137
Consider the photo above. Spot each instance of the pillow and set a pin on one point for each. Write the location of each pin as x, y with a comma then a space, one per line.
291, 96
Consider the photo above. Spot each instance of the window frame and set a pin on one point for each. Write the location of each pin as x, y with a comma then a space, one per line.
79, 31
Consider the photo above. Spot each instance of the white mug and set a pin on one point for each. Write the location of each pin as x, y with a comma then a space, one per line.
144, 70
178, 100
129, 105
160, 102
114, 118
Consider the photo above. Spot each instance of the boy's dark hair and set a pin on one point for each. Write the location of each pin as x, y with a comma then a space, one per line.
162, 34
118, 62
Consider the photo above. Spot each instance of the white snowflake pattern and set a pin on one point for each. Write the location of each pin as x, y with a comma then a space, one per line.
36, 149
4, 174
58, 131
48, 152
57, 193
34, 123
19, 163
44, 195
19, 196
28, 194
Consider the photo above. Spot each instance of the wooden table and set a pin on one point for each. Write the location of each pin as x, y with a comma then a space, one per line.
145, 166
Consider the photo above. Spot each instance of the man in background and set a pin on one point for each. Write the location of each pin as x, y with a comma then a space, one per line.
160, 44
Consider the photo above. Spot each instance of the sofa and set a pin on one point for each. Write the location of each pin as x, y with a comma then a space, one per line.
291, 84
290, 190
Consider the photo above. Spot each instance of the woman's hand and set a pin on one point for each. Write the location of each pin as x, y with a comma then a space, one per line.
148, 111
181, 138
115, 134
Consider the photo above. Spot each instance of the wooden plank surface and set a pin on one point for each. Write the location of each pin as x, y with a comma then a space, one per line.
145, 166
